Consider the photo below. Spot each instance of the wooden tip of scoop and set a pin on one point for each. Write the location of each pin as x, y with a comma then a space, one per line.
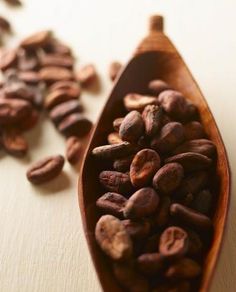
156, 23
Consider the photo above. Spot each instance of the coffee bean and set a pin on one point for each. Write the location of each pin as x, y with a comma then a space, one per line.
36, 40
123, 164
112, 203
143, 167
13, 110
129, 278
29, 122
176, 106
29, 77
142, 203
52, 74
115, 181
132, 127
137, 229
73, 149
202, 202
201, 146
171, 135
114, 69
60, 111
134, 101
173, 242
114, 151
13, 142
150, 263
116, 124
168, 178
152, 116
112, 238
56, 60
194, 130
184, 268
191, 161
59, 96
114, 138
157, 86
46, 169
75, 124
190, 216
8, 59
86, 75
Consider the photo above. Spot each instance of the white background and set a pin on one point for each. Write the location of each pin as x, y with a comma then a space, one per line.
42, 246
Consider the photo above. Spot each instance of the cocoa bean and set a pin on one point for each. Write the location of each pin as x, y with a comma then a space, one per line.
152, 116
134, 101
183, 269
114, 151
73, 149
137, 229
150, 263
114, 138
194, 130
157, 86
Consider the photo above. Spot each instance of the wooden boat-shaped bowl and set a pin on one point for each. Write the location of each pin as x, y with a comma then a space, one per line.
155, 58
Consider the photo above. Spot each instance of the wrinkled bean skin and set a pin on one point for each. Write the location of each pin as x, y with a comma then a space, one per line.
134, 101
152, 116
142, 203
171, 135
157, 86
201, 146
176, 106
174, 242
168, 178
183, 269
132, 127
194, 130
114, 151
137, 229
143, 167
123, 164
113, 238
112, 203
150, 263
191, 161
115, 181
191, 217
46, 169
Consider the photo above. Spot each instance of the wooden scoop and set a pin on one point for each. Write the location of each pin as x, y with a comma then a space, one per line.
155, 58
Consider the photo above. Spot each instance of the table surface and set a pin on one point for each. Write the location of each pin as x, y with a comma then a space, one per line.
42, 246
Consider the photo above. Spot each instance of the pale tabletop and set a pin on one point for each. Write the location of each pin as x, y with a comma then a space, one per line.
42, 245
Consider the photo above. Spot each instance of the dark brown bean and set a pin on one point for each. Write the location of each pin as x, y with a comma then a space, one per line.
201, 146
190, 216
157, 86
116, 124
115, 181
194, 130
183, 269
46, 169
143, 167
113, 238
14, 143
134, 101
123, 164
59, 96
132, 127
191, 161
114, 69
60, 111
176, 106
13, 110
8, 59
202, 202
162, 216
150, 263
114, 138
129, 278
142, 203
53, 74
114, 151
87, 75
152, 116
36, 40
137, 229
168, 178
75, 124
171, 135
195, 243
29, 122
73, 149
57, 60
173, 242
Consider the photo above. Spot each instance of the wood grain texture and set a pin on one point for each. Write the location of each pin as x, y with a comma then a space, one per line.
155, 58
42, 246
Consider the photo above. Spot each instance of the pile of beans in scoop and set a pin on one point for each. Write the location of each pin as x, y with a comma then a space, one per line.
155, 226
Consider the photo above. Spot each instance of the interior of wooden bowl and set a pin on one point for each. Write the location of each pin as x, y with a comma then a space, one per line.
135, 77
